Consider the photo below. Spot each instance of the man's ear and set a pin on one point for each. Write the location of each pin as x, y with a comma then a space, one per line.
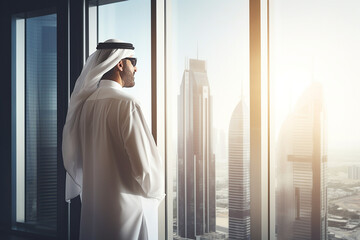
120, 66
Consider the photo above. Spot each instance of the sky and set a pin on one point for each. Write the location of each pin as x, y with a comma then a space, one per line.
119, 21
318, 41
309, 41
200, 29
220, 39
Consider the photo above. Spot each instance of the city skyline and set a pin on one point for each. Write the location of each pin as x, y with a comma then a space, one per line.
302, 51
305, 130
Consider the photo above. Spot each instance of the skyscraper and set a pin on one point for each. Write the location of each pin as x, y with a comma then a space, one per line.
301, 200
196, 161
354, 172
239, 173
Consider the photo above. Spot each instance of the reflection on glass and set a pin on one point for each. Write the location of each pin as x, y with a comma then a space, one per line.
208, 120
37, 202
314, 116
301, 162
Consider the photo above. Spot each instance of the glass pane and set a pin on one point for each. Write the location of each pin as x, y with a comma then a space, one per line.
130, 21
208, 119
18, 105
37, 202
314, 116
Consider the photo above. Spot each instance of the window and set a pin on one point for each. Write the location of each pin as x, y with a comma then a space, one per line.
314, 117
128, 21
34, 108
208, 131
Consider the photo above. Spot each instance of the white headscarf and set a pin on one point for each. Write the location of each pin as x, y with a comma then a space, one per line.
100, 62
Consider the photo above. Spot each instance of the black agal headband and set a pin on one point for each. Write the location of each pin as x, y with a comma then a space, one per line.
114, 45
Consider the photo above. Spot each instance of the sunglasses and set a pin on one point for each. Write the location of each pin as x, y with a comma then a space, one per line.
132, 60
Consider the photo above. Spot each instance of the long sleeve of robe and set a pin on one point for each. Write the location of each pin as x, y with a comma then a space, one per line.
123, 179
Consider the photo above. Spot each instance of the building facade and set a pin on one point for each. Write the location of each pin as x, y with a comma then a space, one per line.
301, 190
239, 173
196, 161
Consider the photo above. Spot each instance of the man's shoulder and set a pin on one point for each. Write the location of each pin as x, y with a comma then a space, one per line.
117, 95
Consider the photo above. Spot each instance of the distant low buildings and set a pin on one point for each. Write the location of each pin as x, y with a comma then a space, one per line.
336, 221
354, 172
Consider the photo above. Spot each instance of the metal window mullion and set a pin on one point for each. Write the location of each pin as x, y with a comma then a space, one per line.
158, 93
97, 24
268, 117
25, 115
255, 120
63, 96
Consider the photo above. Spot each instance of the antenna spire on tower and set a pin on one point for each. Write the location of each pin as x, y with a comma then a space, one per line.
197, 50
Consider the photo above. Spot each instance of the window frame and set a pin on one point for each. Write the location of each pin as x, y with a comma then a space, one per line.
75, 37
259, 100
24, 9
157, 75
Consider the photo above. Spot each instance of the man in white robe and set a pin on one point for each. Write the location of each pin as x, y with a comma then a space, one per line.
108, 151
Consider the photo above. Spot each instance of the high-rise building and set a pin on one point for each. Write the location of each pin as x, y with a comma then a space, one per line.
354, 172
196, 161
301, 198
239, 173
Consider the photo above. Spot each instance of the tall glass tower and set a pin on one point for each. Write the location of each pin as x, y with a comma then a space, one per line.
301, 211
239, 173
196, 161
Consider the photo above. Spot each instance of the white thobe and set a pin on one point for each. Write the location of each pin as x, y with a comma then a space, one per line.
122, 170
